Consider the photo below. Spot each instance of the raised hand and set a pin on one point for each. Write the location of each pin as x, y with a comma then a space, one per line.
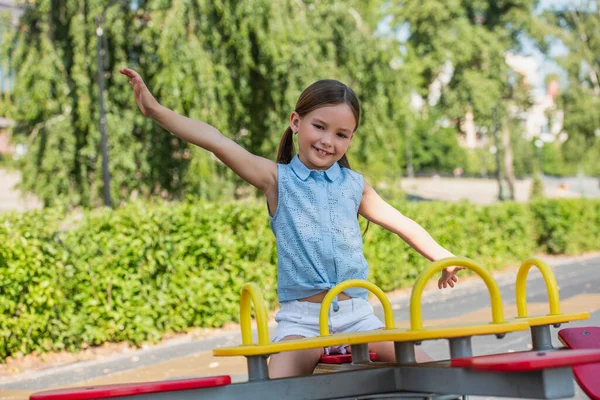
449, 277
144, 99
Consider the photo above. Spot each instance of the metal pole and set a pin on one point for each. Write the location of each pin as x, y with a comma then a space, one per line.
360, 354
104, 139
405, 353
410, 172
257, 368
498, 167
541, 338
460, 347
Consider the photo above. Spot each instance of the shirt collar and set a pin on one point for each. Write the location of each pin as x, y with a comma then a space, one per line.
303, 172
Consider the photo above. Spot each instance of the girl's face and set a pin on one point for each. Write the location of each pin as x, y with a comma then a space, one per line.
323, 135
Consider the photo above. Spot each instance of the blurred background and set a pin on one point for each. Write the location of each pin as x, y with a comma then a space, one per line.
501, 90
480, 120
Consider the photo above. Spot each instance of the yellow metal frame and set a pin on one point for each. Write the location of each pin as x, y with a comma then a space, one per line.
416, 321
551, 287
251, 295
339, 288
555, 316
416, 332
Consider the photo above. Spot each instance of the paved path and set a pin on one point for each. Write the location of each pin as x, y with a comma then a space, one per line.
579, 282
11, 198
479, 191
485, 191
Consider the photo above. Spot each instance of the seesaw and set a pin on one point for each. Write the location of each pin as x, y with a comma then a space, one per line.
543, 372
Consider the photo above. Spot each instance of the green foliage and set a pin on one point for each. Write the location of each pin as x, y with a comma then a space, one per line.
537, 187
238, 65
567, 226
493, 235
525, 159
480, 162
473, 36
436, 147
30, 290
462, 47
147, 269
130, 275
577, 27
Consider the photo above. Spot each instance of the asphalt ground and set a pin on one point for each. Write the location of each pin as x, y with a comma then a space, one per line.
578, 280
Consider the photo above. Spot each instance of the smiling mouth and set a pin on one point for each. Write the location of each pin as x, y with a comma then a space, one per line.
322, 152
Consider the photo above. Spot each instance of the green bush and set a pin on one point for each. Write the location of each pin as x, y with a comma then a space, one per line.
537, 187
493, 235
567, 226
30, 291
148, 269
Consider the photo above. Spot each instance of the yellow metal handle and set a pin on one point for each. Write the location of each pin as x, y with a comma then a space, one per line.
340, 287
416, 321
251, 295
551, 286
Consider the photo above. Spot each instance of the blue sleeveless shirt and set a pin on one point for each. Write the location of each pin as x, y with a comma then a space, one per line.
319, 242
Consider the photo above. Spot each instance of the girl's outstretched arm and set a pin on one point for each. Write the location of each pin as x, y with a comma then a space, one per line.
257, 171
378, 211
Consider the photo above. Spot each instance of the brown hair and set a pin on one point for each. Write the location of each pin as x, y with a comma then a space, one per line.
327, 92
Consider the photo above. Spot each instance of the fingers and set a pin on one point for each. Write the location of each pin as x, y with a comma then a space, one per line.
443, 283
126, 71
133, 76
129, 72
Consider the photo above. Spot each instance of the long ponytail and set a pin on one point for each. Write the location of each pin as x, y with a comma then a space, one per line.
286, 147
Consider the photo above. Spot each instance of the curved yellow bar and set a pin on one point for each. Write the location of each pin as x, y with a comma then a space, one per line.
551, 286
340, 287
416, 321
251, 295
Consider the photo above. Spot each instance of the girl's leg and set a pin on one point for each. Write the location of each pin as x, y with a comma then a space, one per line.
386, 353
294, 363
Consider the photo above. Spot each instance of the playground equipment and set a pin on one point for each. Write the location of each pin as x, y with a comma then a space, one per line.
542, 372
587, 375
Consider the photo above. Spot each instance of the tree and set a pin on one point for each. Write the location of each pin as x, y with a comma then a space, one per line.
577, 27
236, 64
473, 37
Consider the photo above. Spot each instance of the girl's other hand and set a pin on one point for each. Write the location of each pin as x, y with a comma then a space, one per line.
144, 99
449, 277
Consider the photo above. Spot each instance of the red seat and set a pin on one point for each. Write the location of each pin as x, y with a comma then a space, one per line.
343, 358
586, 375
130, 389
528, 360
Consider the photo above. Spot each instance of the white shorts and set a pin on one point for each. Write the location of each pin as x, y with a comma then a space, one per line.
301, 318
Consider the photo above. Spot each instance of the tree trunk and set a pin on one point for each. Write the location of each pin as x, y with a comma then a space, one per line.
508, 161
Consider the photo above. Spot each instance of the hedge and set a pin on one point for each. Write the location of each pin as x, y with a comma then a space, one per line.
147, 269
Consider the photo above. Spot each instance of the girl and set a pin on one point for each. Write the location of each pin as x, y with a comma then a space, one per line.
313, 199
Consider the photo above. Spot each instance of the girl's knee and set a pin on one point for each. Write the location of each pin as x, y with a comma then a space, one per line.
294, 363
386, 353
384, 350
